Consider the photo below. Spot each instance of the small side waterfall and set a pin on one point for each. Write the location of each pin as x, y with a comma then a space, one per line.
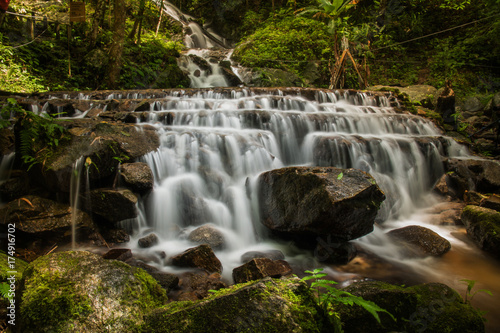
206, 50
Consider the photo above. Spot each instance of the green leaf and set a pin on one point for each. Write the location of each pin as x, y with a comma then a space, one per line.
340, 176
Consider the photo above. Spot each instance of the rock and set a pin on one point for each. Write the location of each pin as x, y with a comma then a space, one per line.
5, 270
232, 79
114, 205
148, 241
198, 257
35, 215
114, 235
491, 202
137, 176
264, 306
118, 254
432, 307
334, 253
168, 281
208, 234
307, 202
7, 140
441, 187
270, 254
421, 241
473, 198
445, 213
260, 268
102, 146
14, 187
473, 104
196, 285
483, 226
472, 175
82, 292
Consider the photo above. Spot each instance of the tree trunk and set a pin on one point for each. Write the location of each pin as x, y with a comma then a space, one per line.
115, 53
97, 20
138, 19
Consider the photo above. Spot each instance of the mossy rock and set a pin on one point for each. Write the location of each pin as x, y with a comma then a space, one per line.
20, 266
269, 305
483, 226
432, 307
78, 291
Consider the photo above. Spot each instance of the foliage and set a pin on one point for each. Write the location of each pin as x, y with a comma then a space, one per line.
6, 292
468, 292
331, 296
287, 42
39, 135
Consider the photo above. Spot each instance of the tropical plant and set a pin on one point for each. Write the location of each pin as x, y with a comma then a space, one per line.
329, 296
39, 135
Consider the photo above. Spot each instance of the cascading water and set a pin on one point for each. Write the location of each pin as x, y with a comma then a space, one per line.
214, 146
206, 50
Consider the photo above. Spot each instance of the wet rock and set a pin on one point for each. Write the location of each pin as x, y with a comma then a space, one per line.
491, 202
303, 203
335, 253
102, 146
419, 241
196, 285
35, 215
113, 205
445, 104
87, 293
198, 257
114, 235
433, 306
232, 79
483, 226
208, 234
269, 254
264, 306
137, 176
260, 268
118, 254
15, 187
472, 175
168, 281
445, 213
6, 141
473, 198
148, 241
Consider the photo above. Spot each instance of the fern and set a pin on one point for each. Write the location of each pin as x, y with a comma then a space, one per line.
5, 291
38, 135
331, 296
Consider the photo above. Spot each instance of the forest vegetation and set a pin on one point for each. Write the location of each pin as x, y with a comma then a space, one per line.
124, 44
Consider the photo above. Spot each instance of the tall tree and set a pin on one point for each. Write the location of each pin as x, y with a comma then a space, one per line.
116, 50
138, 21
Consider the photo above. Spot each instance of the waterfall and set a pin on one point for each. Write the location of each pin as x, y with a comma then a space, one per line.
214, 146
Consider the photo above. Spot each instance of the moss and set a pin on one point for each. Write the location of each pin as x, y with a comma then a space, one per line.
432, 307
264, 306
81, 292
20, 266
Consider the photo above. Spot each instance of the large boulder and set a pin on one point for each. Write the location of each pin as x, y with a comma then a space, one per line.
268, 305
420, 241
483, 226
39, 216
82, 292
432, 307
114, 204
99, 147
307, 202
472, 175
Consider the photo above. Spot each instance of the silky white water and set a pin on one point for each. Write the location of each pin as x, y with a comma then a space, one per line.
214, 146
